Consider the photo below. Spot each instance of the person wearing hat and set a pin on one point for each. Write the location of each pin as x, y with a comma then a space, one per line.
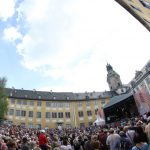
42, 140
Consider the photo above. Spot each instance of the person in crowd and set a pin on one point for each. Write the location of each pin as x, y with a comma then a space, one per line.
102, 139
65, 145
3, 145
96, 145
147, 130
17, 137
88, 144
139, 144
130, 132
12, 145
77, 144
139, 131
24, 144
125, 143
42, 140
113, 140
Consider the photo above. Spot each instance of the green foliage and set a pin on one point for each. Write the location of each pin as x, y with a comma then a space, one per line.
3, 98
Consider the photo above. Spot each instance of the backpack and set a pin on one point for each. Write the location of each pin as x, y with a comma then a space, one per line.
124, 144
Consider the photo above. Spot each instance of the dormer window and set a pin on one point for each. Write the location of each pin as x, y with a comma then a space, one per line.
67, 97
10, 94
87, 97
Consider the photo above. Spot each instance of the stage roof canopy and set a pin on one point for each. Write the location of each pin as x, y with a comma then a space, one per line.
116, 99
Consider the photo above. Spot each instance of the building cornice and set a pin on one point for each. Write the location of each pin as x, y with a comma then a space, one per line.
133, 13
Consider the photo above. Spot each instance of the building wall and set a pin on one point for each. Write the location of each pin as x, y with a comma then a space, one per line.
140, 9
42, 106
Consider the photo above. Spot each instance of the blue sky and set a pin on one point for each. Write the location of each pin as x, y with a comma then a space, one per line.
65, 45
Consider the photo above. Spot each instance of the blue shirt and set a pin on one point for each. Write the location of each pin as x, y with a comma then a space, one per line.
144, 147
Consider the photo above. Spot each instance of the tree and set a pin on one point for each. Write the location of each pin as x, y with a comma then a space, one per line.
3, 98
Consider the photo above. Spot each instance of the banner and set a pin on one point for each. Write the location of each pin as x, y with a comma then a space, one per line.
142, 100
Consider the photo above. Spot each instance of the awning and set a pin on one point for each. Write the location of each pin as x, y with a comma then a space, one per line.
117, 99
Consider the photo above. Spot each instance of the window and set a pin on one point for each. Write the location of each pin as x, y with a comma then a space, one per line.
60, 105
148, 82
96, 102
67, 98
38, 115
31, 103
47, 114
82, 125
11, 112
102, 101
80, 104
23, 113
67, 105
31, 114
80, 113
87, 103
135, 8
89, 113
54, 104
38, 126
87, 98
19, 102
145, 3
60, 115
22, 124
12, 101
48, 104
30, 125
67, 114
24, 102
39, 103
68, 126
54, 115
17, 112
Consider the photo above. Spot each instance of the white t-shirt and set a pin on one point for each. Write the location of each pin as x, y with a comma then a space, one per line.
64, 147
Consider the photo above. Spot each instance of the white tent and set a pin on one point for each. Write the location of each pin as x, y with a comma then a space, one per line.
99, 121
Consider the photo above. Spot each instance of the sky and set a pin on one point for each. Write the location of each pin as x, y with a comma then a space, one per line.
64, 45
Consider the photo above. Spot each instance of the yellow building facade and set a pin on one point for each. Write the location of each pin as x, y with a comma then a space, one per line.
35, 109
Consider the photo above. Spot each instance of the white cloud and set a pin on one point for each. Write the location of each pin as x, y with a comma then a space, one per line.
11, 34
7, 9
74, 39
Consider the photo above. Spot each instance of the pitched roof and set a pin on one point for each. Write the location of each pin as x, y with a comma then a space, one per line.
117, 99
45, 95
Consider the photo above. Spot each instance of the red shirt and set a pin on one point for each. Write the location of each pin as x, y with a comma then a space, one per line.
42, 139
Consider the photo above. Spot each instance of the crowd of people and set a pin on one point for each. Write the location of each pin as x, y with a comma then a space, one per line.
131, 134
